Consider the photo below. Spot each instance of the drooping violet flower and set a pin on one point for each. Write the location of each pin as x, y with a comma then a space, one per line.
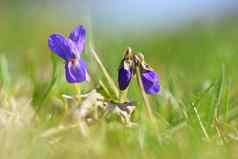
70, 50
150, 80
125, 72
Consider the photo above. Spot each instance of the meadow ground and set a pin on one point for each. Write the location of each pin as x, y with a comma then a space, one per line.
196, 111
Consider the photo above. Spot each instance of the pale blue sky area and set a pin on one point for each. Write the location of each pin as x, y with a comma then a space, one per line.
147, 14
155, 13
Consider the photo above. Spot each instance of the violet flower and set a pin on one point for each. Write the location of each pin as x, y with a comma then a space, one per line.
125, 72
124, 76
150, 79
70, 50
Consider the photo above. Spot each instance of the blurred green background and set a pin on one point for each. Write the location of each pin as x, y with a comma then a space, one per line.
191, 48
191, 44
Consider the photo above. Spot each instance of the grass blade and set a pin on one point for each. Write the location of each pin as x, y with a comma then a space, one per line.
106, 74
4, 73
201, 123
39, 98
219, 93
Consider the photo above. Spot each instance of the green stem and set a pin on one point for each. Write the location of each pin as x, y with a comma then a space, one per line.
78, 91
123, 96
95, 56
103, 69
201, 123
104, 88
146, 100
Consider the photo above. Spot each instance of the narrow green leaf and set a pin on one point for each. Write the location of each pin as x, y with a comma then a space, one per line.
40, 95
4, 73
219, 92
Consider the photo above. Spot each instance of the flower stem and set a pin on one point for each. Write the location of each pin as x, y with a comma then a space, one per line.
78, 91
145, 98
77, 88
123, 96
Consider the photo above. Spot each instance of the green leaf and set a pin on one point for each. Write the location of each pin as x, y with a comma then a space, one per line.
4, 73
42, 90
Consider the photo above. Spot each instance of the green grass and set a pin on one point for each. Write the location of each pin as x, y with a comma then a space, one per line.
196, 110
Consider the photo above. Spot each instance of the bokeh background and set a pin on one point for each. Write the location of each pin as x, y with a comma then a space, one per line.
190, 39
192, 44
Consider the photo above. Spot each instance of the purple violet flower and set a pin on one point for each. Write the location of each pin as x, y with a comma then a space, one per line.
70, 50
151, 81
124, 76
130, 63
125, 72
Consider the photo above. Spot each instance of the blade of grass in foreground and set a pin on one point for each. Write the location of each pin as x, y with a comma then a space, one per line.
174, 96
39, 98
194, 113
227, 100
106, 74
109, 79
219, 93
201, 123
4, 74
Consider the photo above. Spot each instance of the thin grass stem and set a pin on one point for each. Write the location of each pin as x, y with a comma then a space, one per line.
96, 57
106, 74
104, 88
201, 123
219, 93
227, 102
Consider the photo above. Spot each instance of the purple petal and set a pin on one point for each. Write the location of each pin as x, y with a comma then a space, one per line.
78, 35
76, 71
124, 77
151, 82
61, 46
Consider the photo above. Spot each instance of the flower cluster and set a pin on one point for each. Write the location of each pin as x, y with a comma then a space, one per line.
128, 67
133, 64
70, 49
